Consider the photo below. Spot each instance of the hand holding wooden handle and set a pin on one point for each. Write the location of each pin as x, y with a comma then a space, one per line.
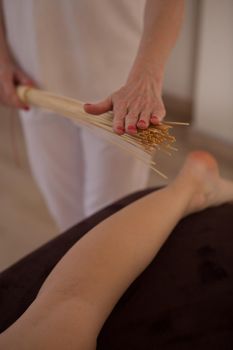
141, 145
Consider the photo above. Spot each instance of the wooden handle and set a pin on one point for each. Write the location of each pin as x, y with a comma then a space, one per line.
47, 100
63, 106
21, 91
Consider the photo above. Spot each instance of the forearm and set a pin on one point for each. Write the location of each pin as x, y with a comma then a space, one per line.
162, 22
4, 51
138, 103
11, 74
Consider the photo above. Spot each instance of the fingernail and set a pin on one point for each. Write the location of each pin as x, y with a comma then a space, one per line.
142, 124
155, 119
120, 130
132, 128
87, 104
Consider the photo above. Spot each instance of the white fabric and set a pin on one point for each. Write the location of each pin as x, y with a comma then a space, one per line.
82, 49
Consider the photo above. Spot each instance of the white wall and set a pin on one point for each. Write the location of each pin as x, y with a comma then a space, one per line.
179, 73
213, 97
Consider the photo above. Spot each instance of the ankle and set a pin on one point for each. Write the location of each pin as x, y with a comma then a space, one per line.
182, 190
191, 189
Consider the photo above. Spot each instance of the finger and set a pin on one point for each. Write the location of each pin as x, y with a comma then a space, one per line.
100, 107
131, 120
119, 118
20, 78
154, 119
144, 120
10, 95
157, 115
24, 79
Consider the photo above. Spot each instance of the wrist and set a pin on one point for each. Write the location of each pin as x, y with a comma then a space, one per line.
4, 59
5, 55
148, 70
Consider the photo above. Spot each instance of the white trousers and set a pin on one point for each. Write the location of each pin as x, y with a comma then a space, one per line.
82, 49
77, 171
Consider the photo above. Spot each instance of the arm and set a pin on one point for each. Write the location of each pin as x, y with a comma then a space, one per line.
139, 101
162, 22
4, 52
10, 73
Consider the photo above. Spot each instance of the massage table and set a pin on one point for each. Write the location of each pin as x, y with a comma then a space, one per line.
182, 301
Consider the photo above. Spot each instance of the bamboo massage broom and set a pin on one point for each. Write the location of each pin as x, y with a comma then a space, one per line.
141, 145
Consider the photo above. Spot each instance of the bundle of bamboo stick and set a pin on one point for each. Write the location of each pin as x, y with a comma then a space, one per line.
142, 145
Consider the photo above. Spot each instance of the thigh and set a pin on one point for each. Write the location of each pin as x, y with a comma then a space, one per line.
110, 173
55, 154
52, 323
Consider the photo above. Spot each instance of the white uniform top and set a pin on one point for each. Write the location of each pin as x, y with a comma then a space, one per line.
80, 48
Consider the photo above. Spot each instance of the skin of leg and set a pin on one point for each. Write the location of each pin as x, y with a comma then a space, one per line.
88, 281
81, 291
52, 325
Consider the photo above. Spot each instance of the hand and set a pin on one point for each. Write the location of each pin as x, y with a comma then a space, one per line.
137, 104
11, 76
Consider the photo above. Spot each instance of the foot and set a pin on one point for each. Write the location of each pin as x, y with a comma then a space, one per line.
201, 174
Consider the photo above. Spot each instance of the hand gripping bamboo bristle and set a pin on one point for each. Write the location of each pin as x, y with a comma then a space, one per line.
141, 146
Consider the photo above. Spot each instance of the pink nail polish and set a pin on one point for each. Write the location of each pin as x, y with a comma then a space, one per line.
142, 124
132, 127
155, 119
120, 129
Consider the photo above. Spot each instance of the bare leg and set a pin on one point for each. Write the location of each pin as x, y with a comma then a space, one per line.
81, 291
